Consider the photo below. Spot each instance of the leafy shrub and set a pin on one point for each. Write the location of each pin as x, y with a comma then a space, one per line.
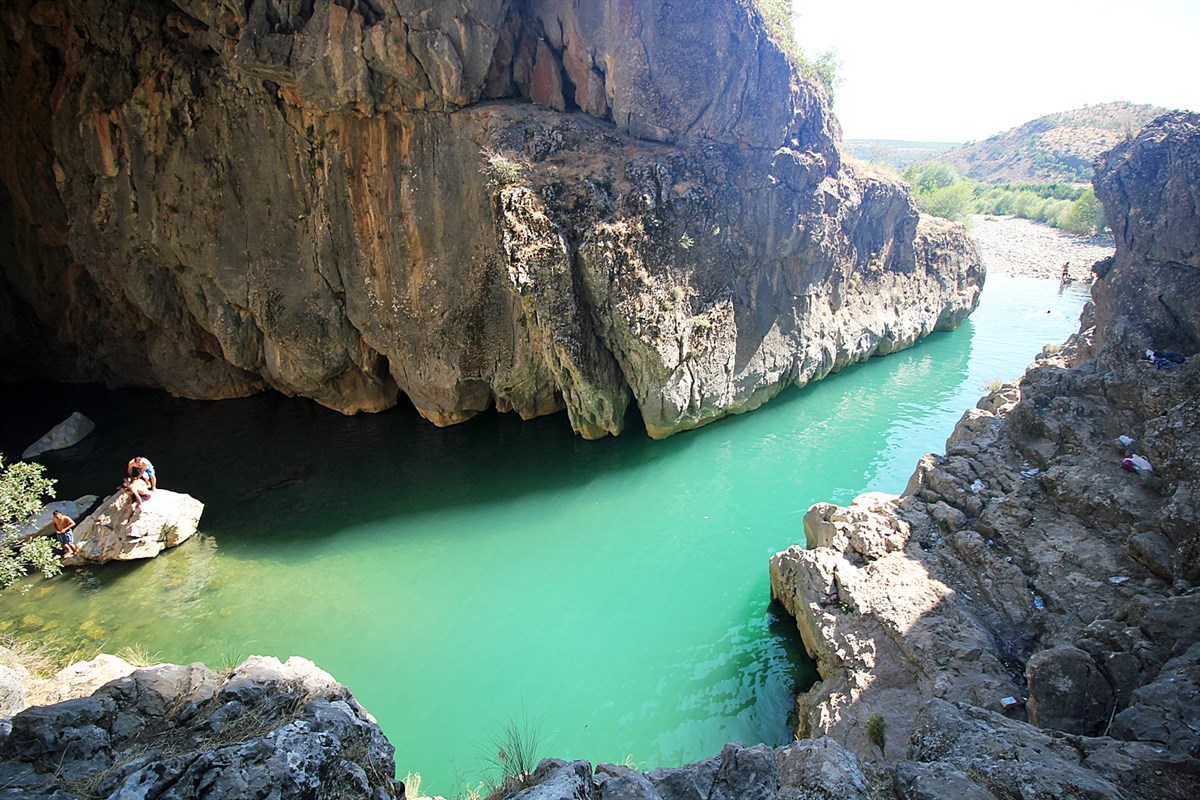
1086, 215
500, 169
1026, 204
955, 202
824, 69
876, 732
23, 486
930, 176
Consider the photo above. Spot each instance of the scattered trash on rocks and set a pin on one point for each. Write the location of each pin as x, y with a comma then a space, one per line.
1136, 463
1164, 359
1117, 580
1125, 441
1029, 473
977, 486
1008, 703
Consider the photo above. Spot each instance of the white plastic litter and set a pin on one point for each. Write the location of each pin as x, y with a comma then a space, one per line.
1125, 440
1117, 580
1140, 463
977, 486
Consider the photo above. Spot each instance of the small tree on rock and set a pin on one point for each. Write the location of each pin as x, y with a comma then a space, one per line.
23, 488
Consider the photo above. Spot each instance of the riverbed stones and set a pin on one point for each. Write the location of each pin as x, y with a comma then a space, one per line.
68, 433
120, 530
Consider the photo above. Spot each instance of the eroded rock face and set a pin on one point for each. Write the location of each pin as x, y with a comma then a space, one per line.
266, 729
219, 198
1024, 576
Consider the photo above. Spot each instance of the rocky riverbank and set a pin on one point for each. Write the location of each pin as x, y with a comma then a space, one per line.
1024, 620
1015, 246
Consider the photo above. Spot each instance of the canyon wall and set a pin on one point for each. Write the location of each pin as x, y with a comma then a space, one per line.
1024, 619
531, 205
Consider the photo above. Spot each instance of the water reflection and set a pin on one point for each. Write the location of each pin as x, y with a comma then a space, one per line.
615, 590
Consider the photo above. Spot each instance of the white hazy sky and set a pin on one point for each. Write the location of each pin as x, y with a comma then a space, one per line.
958, 70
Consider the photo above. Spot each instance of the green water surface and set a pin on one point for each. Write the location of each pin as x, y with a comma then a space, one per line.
612, 594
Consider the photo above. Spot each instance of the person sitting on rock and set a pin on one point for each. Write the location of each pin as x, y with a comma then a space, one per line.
140, 467
138, 489
64, 534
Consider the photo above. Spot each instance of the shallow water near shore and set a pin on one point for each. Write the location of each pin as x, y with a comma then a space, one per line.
612, 594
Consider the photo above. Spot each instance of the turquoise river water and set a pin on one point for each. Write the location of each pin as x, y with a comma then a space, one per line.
612, 594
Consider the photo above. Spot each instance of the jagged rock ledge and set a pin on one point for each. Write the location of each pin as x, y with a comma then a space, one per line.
530, 205
1025, 617
265, 729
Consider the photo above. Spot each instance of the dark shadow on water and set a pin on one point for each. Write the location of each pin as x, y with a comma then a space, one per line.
272, 469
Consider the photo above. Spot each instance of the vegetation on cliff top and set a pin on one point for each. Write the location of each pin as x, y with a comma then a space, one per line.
824, 69
1054, 148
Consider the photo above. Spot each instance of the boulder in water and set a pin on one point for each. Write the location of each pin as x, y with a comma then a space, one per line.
120, 531
67, 433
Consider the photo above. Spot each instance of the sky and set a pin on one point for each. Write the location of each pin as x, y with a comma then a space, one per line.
962, 70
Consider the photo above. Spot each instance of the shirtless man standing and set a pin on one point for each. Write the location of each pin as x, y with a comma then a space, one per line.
63, 527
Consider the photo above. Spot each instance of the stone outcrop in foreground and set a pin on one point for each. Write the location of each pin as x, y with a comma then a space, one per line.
1025, 617
531, 206
264, 730
120, 531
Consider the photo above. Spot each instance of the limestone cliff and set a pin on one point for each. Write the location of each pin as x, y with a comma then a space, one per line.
217, 198
1025, 616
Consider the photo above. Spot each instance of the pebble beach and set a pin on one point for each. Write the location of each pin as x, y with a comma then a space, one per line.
1014, 246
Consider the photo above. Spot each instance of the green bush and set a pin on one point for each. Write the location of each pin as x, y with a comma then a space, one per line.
1085, 215
500, 169
930, 176
877, 732
955, 202
938, 190
23, 487
824, 69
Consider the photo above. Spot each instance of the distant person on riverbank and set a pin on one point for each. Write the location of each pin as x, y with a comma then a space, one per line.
1066, 274
140, 467
64, 533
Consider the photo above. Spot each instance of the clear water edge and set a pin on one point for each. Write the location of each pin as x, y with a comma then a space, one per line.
614, 594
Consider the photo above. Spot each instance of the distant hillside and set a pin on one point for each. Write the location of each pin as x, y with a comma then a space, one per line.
896, 152
1057, 147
